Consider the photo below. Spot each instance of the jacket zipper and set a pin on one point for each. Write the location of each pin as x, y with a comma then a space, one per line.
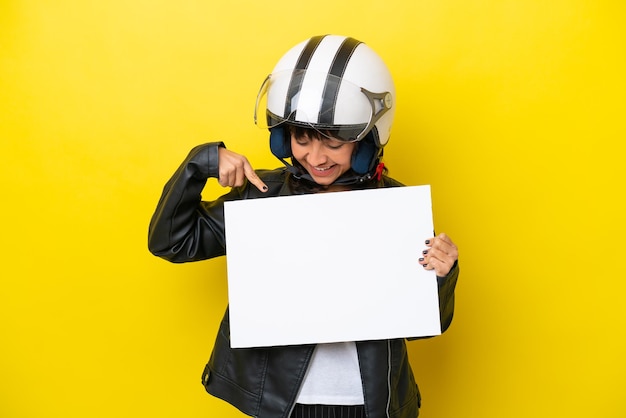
308, 363
388, 377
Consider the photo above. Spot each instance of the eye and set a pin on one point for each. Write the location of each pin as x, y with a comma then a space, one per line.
302, 140
334, 144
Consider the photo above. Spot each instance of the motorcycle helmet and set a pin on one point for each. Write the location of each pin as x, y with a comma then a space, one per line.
336, 85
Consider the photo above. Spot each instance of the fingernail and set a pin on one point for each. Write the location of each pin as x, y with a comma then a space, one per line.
425, 252
421, 259
424, 265
265, 188
427, 241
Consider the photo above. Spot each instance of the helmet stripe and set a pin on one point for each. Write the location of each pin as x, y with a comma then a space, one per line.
297, 77
331, 90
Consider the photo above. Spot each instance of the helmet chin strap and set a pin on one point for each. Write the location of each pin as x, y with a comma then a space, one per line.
300, 173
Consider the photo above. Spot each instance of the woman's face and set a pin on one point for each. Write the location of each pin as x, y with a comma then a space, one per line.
324, 159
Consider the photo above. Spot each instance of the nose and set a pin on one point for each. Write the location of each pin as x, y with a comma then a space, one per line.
316, 155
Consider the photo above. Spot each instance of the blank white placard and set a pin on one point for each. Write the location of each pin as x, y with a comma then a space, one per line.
330, 267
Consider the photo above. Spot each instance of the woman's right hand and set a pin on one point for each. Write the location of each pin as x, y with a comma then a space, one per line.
235, 168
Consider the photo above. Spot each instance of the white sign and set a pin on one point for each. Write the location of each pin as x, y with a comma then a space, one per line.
330, 267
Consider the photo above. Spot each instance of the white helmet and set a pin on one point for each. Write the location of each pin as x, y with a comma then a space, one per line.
334, 84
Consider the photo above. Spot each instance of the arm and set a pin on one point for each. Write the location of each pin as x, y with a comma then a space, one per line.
442, 256
446, 286
183, 228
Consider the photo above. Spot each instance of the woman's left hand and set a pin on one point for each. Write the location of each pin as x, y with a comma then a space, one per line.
440, 255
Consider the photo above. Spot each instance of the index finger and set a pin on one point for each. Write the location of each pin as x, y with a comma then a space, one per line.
254, 178
445, 238
447, 246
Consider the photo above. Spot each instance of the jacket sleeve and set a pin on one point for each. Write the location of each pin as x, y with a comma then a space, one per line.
446, 286
183, 227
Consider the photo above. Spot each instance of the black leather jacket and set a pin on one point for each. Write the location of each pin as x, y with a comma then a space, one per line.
264, 382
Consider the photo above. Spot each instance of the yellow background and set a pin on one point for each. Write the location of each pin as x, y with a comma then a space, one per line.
512, 110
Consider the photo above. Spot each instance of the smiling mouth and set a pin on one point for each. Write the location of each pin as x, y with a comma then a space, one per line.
322, 169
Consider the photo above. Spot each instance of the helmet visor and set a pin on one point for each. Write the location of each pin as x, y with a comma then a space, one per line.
334, 107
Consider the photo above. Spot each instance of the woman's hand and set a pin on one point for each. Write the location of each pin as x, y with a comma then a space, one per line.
234, 169
440, 256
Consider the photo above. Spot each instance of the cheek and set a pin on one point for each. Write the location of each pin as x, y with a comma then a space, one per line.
345, 156
297, 151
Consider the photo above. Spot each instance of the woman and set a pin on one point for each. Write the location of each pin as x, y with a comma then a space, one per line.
329, 106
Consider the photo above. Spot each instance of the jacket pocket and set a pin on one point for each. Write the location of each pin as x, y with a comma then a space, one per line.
242, 367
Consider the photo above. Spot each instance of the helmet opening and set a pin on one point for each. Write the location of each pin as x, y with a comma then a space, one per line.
364, 159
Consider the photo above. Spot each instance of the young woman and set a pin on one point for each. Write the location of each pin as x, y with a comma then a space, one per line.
329, 106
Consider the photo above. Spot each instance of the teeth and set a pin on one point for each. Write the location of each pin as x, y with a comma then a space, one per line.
322, 168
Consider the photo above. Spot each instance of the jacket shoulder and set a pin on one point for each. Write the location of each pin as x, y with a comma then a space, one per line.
390, 182
272, 175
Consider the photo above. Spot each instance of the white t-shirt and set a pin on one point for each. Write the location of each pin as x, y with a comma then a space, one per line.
333, 377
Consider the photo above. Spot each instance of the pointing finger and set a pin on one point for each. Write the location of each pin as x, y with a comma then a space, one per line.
254, 178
